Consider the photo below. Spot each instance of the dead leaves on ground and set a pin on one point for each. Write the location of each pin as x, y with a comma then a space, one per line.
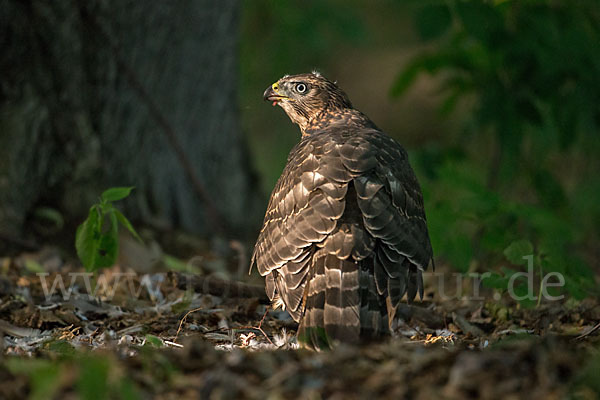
141, 334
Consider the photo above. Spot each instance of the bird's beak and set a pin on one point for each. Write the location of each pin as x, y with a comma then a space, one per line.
273, 94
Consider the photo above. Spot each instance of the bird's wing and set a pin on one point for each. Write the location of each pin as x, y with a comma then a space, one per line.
391, 202
303, 209
309, 199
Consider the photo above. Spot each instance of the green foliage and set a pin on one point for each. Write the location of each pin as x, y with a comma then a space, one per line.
315, 338
517, 252
42, 373
528, 75
96, 239
586, 384
94, 377
153, 341
521, 253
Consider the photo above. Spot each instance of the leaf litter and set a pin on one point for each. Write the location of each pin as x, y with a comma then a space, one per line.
144, 335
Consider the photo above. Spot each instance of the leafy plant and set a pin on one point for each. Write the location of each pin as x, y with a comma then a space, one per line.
527, 74
521, 254
94, 380
96, 239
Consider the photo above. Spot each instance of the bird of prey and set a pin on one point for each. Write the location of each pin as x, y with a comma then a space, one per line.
344, 235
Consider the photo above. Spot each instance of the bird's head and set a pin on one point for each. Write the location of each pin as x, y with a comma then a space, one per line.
305, 97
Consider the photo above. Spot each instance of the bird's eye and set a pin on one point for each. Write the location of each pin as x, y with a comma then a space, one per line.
300, 87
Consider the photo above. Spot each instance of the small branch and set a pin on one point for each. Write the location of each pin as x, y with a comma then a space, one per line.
183, 320
218, 287
259, 327
589, 332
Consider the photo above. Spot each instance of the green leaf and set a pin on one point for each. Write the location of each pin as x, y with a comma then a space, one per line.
406, 78
116, 193
108, 247
433, 20
33, 266
459, 252
61, 347
50, 215
93, 378
154, 341
429, 63
44, 375
495, 281
96, 249
315, 337
184, 305
128, 390
125, 222
87, 238
517, 250
480, 20
176, 264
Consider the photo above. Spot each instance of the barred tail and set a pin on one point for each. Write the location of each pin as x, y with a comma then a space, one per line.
373, 308
332, 311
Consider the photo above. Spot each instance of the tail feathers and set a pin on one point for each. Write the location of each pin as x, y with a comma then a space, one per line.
332, 303
414, 284
373, 314
347, 300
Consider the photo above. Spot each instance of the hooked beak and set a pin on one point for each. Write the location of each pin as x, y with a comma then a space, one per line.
272, 94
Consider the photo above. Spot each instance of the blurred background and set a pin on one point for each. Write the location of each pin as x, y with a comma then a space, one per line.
497, 103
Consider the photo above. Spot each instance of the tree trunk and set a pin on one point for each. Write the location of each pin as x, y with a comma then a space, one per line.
97, 94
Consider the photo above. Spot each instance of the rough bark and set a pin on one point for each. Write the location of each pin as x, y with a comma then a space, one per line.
102, 93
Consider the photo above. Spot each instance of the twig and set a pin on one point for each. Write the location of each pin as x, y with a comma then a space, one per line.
259, 327
173, 344
217, 287
183, 320
594, 329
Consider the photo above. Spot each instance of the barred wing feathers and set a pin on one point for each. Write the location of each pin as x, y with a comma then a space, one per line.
344, 235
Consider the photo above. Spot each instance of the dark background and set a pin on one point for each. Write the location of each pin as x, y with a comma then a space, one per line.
498, 104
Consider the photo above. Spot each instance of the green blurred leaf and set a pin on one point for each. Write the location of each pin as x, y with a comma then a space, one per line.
92, 383
44, 375
61, 347
495, 281
154, 341
481, 20
116, 193
176, 264
128, 390
184, 305
33, 266
433, 20
517, 250
51, 215
424, 63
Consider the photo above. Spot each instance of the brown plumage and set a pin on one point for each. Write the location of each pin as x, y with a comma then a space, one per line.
344, 235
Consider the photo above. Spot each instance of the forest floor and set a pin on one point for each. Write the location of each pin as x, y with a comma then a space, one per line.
163, 335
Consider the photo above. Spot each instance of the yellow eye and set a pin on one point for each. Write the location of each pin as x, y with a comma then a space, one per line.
300, 87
